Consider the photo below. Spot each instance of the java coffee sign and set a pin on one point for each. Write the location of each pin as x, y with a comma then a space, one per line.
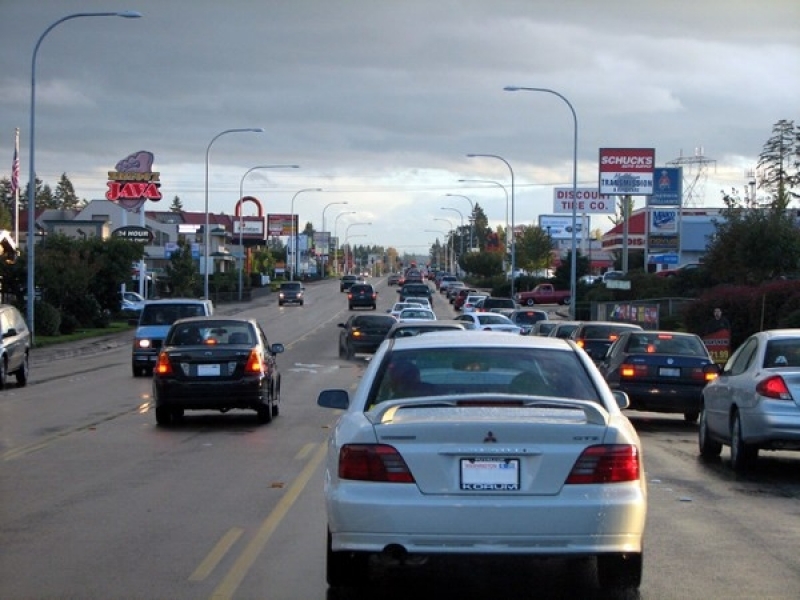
133, 182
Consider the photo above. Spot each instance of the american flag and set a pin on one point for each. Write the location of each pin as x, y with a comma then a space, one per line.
15, 167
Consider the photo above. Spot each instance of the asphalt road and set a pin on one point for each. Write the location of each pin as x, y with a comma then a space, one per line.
98, 502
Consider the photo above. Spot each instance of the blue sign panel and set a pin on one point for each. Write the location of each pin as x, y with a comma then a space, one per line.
667, 187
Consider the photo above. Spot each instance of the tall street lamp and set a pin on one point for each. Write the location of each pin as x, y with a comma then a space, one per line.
471, 218
294, 264
444, 235
325, 253
206, 230
505, 191
241, 215
460, 237
336, 248
513, 240
452, 247
574, 263
346, 236
126, 14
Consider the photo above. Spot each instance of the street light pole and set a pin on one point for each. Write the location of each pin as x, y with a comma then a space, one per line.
505, 191
444, 235
574, 262
294, 239
325, 254
452, 247
241, 216
471, 219
513, 240
126, 14
336, 248
206, 230
460, 237
347, 235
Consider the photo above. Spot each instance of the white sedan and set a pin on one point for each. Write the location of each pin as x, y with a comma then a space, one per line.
398, 307
416, 314
489, 321
467, 444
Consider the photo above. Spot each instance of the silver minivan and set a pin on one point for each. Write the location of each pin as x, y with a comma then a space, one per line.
15, 345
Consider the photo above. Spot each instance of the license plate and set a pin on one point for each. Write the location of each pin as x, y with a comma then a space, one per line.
208, 370
669, 372
490, 474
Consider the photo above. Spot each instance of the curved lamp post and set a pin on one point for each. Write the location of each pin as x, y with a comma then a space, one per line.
471, 218
206, 230
336, 249
512, 239
452, 247
293, 240
325, 254
505, 191
347, 236
460, 237
574, 262
241, 214
126, 14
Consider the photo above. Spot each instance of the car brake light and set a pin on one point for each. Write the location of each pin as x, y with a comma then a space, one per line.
611, 463
774, 387
373, 462
629, 370
163, 366
254, 364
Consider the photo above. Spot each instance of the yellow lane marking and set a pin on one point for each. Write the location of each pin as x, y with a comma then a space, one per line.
217, 553
304, 451
234, 578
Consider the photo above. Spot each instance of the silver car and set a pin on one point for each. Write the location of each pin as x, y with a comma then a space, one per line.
754, 403
486, 321
462, 443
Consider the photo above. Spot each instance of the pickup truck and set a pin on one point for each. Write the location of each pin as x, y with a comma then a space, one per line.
544, 293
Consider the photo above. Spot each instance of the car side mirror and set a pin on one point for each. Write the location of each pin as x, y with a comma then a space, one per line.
333, 399
622, 399
276, 348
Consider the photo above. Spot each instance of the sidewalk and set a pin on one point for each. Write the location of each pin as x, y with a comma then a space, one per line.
41, 356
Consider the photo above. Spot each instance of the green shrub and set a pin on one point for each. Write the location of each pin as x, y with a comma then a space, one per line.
47, 319
69, 324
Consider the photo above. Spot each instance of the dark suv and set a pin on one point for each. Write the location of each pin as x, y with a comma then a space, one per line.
361, 295
492, 303
416, 289
291, 292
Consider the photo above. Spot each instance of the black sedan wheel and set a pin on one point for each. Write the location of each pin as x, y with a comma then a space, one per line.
165, 416
22, 373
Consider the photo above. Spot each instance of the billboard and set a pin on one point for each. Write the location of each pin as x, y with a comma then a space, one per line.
668, 190
281, 225
590, 201
251, 226
627, 171
559, 227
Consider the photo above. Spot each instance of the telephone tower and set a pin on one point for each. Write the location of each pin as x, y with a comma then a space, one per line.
695, 176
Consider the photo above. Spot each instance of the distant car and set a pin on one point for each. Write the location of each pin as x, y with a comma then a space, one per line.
491, 302
754, 404
563, 329
444, 282
290, 292
484, 321
453, 289
590, 279
687, 268
397, 307
461, 297
543, 328
470, 303
415, 289
416, 314
154, 322
346, 281
421, 300
363, 334
393, 279
412, 328
209, 363
131, 303
595, 337
362, 295
613, 276
660, 371
469, 445
526, 318
15, 346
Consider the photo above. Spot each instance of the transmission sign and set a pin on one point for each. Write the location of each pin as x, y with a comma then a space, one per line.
626, 171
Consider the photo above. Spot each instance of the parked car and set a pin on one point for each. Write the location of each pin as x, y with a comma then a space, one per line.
362, 295
412, 328
754, 404
488, 322
223, 363
595, 337
363, 334
466, 444
15, 346
131, 303
154, 322
346, 281
526, 318
291, 292
660, 371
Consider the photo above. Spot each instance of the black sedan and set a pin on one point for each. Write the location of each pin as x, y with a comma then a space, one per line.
216, 364
363, 333
661, 371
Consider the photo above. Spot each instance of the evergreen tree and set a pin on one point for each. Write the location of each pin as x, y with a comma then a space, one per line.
182, 272
64, 196
779, 164
177, 205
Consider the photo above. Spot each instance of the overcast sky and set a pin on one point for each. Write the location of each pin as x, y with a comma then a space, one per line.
380, 101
